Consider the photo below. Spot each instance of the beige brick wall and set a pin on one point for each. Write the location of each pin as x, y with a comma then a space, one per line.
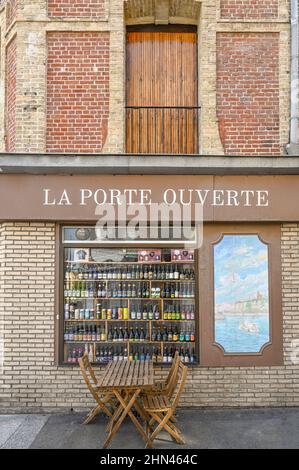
31, 381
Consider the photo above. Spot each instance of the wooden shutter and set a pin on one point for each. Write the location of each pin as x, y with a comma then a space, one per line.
162, 115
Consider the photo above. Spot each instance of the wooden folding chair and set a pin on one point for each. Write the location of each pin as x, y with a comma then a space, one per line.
102, 397
167, 386
161, 409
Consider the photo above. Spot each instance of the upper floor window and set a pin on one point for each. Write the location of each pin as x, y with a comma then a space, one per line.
162, 111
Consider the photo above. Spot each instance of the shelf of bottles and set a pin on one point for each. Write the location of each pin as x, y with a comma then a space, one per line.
129, 304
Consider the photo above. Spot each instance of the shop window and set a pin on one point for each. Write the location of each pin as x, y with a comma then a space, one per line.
240, 296
120, 302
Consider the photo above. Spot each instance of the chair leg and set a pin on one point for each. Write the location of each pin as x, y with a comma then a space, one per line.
170, 423
95, 411
92, 414
163, 423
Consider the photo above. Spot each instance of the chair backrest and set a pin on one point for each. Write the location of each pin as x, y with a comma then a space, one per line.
171, 381
181, 380
88, 374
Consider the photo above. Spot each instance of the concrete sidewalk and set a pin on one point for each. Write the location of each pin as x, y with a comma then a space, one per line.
203, 429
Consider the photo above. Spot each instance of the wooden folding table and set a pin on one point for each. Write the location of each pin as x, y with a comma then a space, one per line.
126, 380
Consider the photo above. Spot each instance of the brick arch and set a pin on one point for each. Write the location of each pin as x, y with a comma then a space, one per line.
161, 11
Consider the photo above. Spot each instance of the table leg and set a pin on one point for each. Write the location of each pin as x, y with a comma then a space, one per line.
126, 405
133, 417
116, 414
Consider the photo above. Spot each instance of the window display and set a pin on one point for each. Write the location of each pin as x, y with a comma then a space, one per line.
132, 304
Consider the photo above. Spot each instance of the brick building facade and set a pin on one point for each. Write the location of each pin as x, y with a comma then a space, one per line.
63, 82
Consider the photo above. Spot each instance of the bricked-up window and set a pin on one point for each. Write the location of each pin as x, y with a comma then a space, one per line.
240, 296
77, 91
248, 93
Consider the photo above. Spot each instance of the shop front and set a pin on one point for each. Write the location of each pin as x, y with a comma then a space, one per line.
139, 266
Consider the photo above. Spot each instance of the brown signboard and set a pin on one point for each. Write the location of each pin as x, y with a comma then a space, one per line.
77, 198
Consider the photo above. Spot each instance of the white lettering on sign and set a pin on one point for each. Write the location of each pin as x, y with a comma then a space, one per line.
143, 197
61, 200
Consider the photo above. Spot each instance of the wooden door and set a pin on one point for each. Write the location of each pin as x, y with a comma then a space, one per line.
161, 87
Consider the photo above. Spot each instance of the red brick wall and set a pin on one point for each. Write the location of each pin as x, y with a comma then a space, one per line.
76, 8
248, 93
77, 91
249, 9
10, 101
11, 11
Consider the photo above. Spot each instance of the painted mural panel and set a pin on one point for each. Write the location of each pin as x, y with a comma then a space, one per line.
241, 294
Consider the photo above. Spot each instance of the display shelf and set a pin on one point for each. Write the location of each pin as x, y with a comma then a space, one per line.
102, 317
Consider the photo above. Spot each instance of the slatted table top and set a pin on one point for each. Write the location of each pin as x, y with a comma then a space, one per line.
127, 374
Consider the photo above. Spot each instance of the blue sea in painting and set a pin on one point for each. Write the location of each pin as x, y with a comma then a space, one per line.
233, 339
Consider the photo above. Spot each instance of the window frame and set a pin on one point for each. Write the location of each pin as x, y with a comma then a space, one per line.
59, 283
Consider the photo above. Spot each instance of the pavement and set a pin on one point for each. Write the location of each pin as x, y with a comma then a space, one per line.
266, 428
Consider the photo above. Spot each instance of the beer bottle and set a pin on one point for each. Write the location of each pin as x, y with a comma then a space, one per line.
129, 291
175, 335
98, 333
139, 313
142, 355
110, 335
90, 353
178, 312
147, 291
126, 334
94, 334
150, 272
103, 334
85, 334
156, 313
115, 334
159, 356
192, 336
125, 354
141, 273
171, 272
120, 334
131, 356
165, 355
144, 313
154, 334
173, 313
165, 335
187, 336
181, 336
134, 291
133, 313
119, 290
132, 336
159, 336
145, 272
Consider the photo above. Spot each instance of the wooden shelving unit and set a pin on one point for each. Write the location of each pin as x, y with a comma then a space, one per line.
74, 284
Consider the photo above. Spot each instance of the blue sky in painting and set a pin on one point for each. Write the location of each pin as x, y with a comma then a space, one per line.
240, 268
